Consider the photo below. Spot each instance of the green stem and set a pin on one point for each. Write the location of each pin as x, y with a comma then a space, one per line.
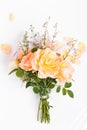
38, 113
43, 114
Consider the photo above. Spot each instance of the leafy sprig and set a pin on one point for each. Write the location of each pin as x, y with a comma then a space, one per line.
65, 89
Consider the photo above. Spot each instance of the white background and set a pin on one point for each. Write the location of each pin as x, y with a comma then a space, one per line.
18, 106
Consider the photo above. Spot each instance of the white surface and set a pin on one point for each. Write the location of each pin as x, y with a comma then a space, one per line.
18, 106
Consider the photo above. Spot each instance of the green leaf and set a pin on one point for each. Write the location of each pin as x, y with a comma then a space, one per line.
68, 85
34, 49
32, 84
51, 86
36, 90
19, 72
33, 76
41, 84
51, 80
58, 89
12, 71
64, 91
70, 93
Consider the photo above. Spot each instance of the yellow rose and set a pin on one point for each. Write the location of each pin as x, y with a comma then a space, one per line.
47, 63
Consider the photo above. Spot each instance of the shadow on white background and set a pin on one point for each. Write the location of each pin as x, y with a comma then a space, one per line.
80, 122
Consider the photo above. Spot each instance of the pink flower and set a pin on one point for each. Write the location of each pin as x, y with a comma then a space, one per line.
65, 72
6, 48
26, 62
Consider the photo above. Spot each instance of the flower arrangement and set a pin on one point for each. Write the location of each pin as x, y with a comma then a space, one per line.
45, 63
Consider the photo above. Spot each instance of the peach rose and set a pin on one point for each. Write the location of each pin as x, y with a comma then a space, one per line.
47, 63
26, 62
65, 72
6, 48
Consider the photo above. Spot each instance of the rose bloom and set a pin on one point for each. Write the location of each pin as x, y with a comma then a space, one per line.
6, 48
65, 72
46, 62
26, 62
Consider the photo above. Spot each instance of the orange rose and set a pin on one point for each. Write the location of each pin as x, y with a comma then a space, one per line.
26, 62
65, 71
47, 63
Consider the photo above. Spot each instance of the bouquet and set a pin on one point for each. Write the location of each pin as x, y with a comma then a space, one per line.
44, 63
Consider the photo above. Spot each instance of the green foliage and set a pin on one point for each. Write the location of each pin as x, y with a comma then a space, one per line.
64, 91
51, 80
68, 85
32, 76
36, 90
34, 49
32, 84
51, 86
44, 85
19, 72
70, 93
58, 89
